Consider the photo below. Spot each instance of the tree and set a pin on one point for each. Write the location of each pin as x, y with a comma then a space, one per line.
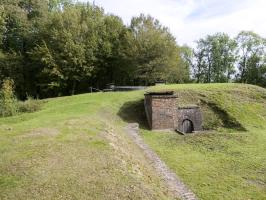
18, 30
153, 51
8, 101
109, 67
66, 54
223, 52
10, 67
198, 64
251, 58
214, 58
63, 47
2, 24
187, 55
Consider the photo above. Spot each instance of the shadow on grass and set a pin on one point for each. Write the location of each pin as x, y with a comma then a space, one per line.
228, 121
134, 112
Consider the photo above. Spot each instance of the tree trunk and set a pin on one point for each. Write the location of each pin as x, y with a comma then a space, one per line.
73, 87
243, 71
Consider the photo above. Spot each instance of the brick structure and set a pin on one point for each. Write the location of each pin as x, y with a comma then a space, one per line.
161, 110
163, 113
189, 119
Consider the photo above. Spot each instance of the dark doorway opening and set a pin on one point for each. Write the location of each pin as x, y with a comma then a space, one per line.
187, 126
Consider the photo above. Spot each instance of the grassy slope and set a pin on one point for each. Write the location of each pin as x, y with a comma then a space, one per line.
75, 147
228, 163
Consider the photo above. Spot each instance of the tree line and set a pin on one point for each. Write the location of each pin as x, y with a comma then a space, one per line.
54, 48
219, 58
58, 47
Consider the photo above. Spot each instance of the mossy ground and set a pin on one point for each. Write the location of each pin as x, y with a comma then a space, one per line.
75, 147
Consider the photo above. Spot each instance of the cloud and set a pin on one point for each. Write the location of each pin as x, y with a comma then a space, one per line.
190, 20
247, 18
214, 8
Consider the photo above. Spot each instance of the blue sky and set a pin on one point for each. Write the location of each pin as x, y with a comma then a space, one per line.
190, 20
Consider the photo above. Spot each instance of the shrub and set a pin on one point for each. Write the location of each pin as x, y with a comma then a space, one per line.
8, 101
30, 105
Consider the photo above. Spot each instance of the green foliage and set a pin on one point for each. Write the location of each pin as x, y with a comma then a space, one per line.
11, 66
29, 106
10, 106
2, 24
224, 163
153, 51
73, 133
64, 47
215, 58
8, 101
218, 58
59, 47
79, 45
251, 61
84, 135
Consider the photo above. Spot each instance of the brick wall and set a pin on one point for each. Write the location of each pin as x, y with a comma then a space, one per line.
160, 111
191, 113
163, 113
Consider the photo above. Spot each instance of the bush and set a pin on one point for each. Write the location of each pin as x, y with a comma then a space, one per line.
8, 101
30, 105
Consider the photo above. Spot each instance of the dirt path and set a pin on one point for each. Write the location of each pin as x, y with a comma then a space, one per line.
173, 182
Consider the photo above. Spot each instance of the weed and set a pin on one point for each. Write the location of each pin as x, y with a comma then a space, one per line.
8, 101
30, 105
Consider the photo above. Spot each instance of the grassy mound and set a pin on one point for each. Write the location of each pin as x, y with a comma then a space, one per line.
76, 148
229, 161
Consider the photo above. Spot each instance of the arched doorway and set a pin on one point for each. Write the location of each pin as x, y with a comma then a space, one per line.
187, 126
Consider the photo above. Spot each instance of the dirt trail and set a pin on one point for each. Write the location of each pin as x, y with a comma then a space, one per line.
173, 182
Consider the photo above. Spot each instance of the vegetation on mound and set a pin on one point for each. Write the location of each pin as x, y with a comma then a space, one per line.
229, 162
75, 147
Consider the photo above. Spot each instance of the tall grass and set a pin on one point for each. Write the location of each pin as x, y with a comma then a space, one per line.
8, 101
30, 105
10, 106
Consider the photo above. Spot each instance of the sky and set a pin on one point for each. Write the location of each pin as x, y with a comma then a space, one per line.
190, 20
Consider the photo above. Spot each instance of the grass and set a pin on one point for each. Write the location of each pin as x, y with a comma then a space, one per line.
75, 147
226, 163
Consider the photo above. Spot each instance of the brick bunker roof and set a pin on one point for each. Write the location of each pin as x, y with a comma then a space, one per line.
161, 94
